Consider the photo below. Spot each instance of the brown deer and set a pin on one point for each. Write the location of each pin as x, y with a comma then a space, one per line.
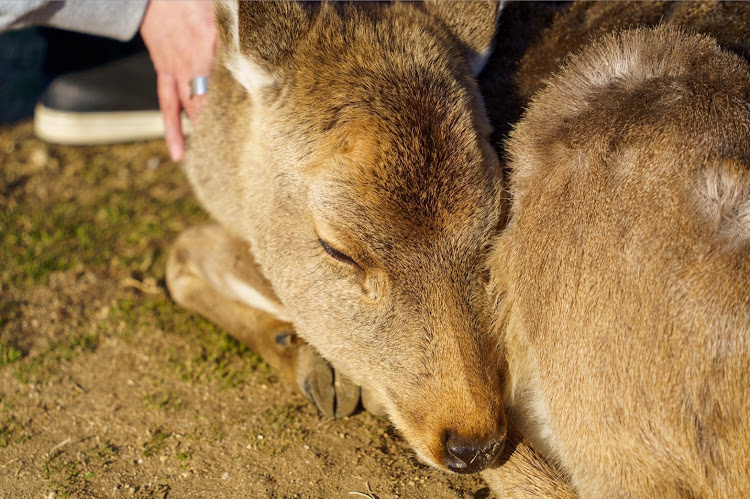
344, 154
622, 280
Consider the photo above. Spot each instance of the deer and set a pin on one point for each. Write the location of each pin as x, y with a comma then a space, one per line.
584, 326
344, 154
621, 281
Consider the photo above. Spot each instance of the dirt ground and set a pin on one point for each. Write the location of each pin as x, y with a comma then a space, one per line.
108, 389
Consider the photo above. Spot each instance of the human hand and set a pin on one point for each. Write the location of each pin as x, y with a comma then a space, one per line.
181, 40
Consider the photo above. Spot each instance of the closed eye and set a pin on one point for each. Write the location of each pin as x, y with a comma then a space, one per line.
338, 255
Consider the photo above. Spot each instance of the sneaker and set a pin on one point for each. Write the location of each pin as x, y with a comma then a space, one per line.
115, 102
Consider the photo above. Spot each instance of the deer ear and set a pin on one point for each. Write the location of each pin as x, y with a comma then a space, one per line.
472, 23
259, 39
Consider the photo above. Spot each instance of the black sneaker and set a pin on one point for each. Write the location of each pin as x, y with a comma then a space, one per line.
115, 102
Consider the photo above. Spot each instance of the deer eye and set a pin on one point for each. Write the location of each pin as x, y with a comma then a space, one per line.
338, 255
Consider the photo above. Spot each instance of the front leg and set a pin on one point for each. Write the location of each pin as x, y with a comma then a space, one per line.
214, 274
521, 472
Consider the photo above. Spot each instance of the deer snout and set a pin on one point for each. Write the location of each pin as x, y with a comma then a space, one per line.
469, 455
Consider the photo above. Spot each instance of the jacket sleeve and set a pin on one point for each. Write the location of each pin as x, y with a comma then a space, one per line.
117, 19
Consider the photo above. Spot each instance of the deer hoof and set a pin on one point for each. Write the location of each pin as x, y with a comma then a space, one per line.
332, 394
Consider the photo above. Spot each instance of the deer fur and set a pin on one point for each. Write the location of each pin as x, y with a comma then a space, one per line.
344, 153
622, 280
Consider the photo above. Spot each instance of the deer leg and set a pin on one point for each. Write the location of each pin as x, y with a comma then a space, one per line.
521, 472
215, 275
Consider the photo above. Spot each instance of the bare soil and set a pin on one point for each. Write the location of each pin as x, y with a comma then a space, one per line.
108, 389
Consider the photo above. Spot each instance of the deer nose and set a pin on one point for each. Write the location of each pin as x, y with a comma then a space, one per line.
469, 455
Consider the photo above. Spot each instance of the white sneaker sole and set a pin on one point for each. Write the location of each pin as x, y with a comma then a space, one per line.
92, 128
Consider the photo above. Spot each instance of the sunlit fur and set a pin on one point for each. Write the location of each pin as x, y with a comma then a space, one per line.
622, 281
361, 125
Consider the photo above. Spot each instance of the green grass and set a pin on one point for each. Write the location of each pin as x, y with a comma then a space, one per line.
162, 402
216, 356
63, 473
62, 236
155, 442
106, 451
40, 368
71, 477
115, 220
12, 432
283, 416
8, 354
40, 242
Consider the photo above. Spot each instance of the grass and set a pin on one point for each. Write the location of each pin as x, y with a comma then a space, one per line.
162, 402
12, 432
155, 442
8, 354
222, 359
64, 476
106, 451
71, 477
38, 242
40, 368
215, 356
97, 212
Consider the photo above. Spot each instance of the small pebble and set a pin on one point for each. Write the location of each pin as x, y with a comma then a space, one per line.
38, 157
261, 437
152, 163
225, 476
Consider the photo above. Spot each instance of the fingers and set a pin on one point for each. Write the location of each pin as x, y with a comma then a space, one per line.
193, 104
170, 105
173, 97
181, 40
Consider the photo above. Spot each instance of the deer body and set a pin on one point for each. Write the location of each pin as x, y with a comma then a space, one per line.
623, 277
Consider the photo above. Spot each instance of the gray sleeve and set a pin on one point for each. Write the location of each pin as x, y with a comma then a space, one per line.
115, 19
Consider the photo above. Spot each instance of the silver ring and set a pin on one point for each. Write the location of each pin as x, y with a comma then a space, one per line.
198, 86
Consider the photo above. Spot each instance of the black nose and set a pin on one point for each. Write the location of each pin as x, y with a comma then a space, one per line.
469, 455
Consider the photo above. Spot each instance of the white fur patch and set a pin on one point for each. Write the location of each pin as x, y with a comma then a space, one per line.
237, 290
725, 193
479, 61
247, 73
254, 78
